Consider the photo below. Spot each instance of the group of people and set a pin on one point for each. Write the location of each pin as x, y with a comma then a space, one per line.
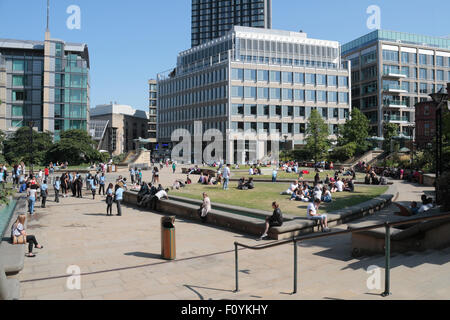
372, 178
302, 191
244, 184
149, 195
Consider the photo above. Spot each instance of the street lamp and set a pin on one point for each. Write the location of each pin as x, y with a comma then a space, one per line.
439, 98
31, 124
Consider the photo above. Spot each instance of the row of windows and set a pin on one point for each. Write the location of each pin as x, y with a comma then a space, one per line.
288, 77
286, 111
165, 131
71, 95
212, 111
286, 62
194, 97
274, 128
193, 81
411, 58
288, 94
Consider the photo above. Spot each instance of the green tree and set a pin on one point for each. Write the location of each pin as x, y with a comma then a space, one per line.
19, 148
390, 130
317, 141
345, 152
355, 131
75, 147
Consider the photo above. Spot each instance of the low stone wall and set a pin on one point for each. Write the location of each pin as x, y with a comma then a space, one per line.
429, 180
252, 221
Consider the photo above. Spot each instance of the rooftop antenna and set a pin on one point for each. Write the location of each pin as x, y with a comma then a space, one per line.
48, 14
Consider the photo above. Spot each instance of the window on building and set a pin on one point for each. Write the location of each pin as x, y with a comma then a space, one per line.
310, 78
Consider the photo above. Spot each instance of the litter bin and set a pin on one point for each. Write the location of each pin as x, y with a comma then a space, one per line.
168, 248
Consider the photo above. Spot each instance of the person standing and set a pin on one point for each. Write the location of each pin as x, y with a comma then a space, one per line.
156, 175
94, 190
132, 175
274, 175
57, 187
118, 198
44, 193
226, 177
79, 186
102, 184
174, 167
109, 199
46, 173
205, 208
139, 177
31, 193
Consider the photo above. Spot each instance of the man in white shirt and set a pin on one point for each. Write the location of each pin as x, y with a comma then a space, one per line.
313, 215
292, 188
339, 185
157, 197
226, 177
250, 171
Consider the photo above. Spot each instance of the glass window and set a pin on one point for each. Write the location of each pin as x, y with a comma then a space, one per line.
287, 77
422, 73
343, 97
299, 95
275, 93
263, 93
287, 94
332, 96
440, 75
237, 92
422, 59
263, 75
237, 74
389, 55
322, 96
311, 95
332, 81
405, 71
17, 111
250, 92
343, 81
299, 78
439, 61
310, 78
275, 76
405, 57
321, 80
18, 80
18, 65
76, 80
250, 75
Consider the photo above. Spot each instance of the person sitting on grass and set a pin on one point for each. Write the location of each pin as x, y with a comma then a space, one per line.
297, 194
292, 188
326, 195
241, 184
249, 184
312, 214
339, 185
275, 220
188, 180
349, 185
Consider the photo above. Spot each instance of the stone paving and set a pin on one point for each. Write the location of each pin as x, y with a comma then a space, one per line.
119, 258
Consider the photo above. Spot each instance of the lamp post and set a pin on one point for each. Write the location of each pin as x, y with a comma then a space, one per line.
439, 98
31, 124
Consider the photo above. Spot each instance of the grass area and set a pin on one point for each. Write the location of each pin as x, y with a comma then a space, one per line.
265, 193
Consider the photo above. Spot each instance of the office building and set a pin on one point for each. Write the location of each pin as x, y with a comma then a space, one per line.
255, 79
212, 19
392, 72
44, 82
153, 101
123, 126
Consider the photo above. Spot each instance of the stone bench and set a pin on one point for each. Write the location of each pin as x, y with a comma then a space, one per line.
9, 288
418, 236
212, 173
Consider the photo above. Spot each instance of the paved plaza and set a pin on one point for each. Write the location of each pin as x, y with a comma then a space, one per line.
119, 258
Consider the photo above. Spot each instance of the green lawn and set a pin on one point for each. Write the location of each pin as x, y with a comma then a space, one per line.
265, 193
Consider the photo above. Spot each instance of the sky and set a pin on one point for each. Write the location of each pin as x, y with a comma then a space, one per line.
132, 41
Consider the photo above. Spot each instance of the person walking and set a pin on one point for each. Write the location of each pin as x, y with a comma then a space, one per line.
57, 187
226, 177
44, 193
31, 193
156, 175
102, 184
174, 167
94, 190
118, 198
132, 175
20, 236
109, 199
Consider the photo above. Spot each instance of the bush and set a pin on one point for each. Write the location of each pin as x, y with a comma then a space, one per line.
344, 152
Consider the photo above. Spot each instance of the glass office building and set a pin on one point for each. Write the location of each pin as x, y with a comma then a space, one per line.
392, 72
44, 82
214, 18
153, 100
258, 80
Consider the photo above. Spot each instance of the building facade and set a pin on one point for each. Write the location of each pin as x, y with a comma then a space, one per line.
153, 101
123, 125
46, 82
259, 80
212, 19
392, 72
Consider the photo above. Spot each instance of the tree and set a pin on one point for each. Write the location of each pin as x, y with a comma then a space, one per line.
2, 140
18, 147
355, 131
345, 152
75, 147
317, 136
390, 130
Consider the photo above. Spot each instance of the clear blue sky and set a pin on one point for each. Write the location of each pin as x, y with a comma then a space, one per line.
131, 41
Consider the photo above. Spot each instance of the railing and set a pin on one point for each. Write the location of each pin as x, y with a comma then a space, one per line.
295, 240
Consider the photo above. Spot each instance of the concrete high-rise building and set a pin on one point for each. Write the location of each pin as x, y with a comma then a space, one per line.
153, 101
255, 79
392, 72
214, 18
46, 82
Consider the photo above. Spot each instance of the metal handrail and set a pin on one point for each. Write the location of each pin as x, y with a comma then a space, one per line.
387, 225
